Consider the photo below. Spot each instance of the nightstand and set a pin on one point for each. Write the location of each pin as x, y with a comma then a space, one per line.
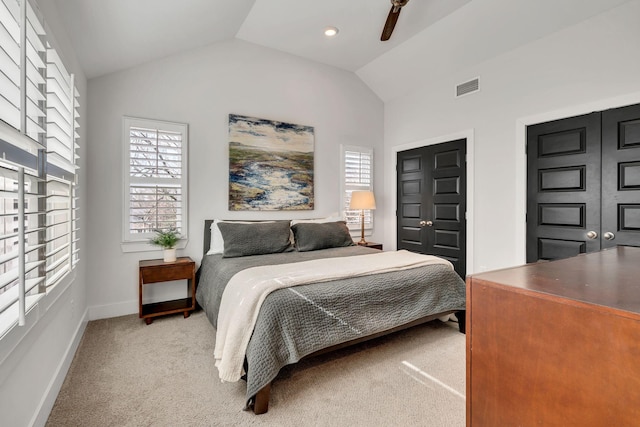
156, 270
372, 245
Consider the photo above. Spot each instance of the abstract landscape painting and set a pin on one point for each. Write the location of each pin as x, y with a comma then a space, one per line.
270, 165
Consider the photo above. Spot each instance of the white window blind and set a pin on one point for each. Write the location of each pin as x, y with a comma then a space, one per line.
61, 141
357, 168
34, 77
21, 275
62, 114
75, 200
156, 182
59, 229
10, 62
38, 139
75, 227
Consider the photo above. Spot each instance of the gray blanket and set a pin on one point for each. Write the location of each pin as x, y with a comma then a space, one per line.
298, 321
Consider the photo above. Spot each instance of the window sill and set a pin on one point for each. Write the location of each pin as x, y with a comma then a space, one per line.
355, 232
144, 246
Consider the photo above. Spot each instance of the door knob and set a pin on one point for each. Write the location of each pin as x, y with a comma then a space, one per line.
609, 235
592, 235
427, 223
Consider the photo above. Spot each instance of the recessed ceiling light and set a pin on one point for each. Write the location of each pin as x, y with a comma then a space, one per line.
330, 31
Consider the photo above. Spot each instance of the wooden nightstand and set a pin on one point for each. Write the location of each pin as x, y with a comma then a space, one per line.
156, 270
372, 245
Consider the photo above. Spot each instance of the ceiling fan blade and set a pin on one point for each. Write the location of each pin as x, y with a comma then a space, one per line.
391, 23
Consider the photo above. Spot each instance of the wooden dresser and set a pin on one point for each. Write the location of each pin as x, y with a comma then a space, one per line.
556, 343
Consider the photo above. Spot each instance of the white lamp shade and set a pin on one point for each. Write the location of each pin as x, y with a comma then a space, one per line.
362, 200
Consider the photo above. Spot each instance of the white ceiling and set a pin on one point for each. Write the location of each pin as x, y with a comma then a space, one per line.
481, 30
111, 35
431, 36
296, 26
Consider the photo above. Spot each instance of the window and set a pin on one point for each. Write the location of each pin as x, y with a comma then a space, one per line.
357, 167
38, 139
155, 164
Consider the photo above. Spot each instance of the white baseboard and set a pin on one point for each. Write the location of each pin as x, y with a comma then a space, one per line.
112, 310
49, 399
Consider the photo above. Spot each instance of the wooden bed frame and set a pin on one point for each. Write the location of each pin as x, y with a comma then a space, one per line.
260, 404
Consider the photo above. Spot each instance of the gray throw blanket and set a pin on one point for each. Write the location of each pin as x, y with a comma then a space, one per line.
301, 320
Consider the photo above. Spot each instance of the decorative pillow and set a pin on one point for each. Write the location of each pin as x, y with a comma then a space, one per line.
243, 239
313, 236
217, 242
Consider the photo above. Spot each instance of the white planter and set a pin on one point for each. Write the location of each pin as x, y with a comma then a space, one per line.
169, 255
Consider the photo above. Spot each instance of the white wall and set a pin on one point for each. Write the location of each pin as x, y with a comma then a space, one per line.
591, 66
201, 88
34, 358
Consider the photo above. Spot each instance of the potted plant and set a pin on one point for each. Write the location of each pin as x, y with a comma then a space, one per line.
167, 240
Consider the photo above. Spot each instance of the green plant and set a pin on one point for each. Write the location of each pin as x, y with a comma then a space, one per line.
166, 239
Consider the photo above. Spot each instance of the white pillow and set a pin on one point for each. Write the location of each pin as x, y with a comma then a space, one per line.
217, 242
331, 218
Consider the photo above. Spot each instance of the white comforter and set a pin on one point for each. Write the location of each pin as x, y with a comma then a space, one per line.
245, 292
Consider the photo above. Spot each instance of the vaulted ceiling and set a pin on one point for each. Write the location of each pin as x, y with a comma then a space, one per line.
431, 36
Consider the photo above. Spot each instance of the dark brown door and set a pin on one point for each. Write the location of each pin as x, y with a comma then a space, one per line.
431, 205
621, 177
563, 186
583, 190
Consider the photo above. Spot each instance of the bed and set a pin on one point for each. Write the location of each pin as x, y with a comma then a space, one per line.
309, 319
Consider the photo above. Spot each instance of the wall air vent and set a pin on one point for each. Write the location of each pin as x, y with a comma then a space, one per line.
468, 87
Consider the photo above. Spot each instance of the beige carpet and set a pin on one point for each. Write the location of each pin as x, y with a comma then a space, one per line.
126, 373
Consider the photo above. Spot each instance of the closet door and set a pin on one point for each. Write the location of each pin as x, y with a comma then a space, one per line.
432, 199
621, 176
563, 188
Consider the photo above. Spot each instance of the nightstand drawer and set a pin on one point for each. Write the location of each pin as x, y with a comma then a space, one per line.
168, 273
153, 271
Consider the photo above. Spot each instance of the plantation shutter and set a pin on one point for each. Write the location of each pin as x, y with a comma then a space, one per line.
358, 176
62, 115
156, 198
34, 78
21, 92
10, 62
38, 142
21, 272
75, 200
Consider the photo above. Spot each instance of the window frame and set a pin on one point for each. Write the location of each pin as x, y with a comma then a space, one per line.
139, 242
355, 227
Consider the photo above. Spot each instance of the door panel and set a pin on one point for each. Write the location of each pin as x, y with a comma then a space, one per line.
432, 201
563, 187
621, 176
410, 188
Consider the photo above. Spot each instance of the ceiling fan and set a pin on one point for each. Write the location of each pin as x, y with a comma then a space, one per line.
396, 5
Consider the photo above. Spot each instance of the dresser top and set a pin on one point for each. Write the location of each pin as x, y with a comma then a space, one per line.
609, 278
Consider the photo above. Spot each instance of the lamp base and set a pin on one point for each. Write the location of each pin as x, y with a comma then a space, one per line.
362, 243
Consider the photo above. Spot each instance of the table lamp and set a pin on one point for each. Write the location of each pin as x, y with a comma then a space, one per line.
362, 200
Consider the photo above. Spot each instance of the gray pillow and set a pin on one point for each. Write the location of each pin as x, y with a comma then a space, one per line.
313, 236
255, 239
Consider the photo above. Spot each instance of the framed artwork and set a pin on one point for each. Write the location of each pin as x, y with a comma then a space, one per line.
270, 165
